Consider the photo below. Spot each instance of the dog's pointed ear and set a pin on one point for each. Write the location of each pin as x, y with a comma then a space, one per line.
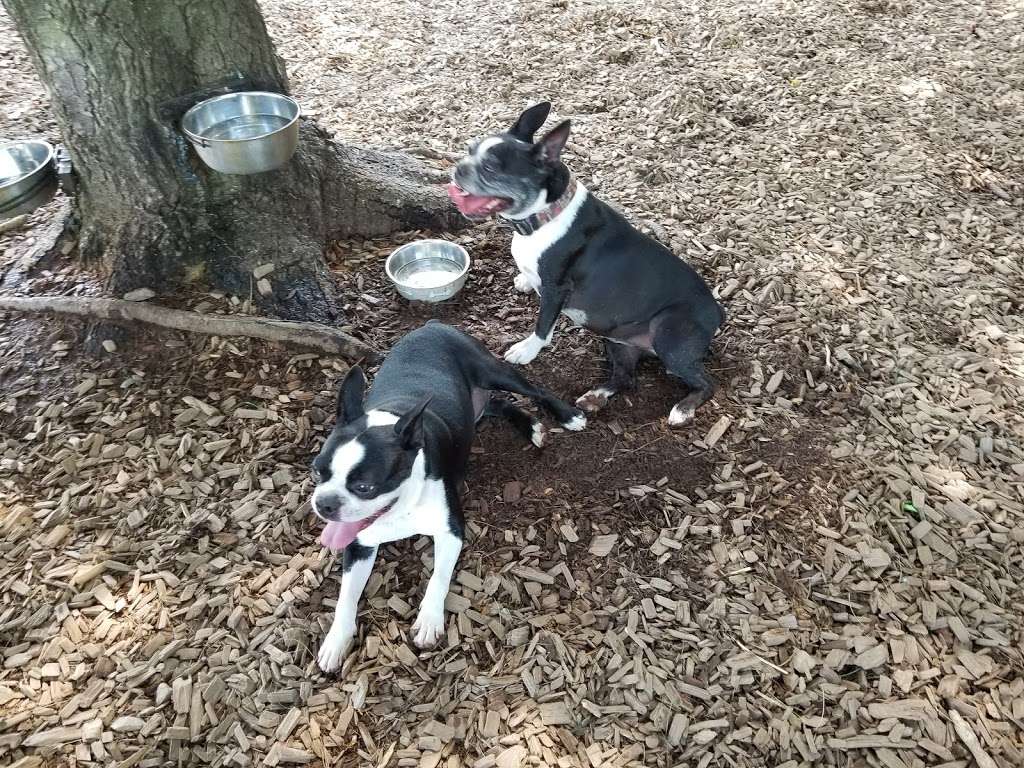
530, 121
350, 396
410, 426
550, 147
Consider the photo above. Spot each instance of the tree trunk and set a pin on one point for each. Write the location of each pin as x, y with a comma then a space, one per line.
121, 73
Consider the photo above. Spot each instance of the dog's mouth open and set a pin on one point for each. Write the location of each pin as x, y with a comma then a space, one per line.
337, 535
476, 206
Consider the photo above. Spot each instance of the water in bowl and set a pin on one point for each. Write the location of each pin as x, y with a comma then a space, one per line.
428, 273
245, 127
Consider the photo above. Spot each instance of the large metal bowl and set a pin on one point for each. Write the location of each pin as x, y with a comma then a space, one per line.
28, 178
245, 132
428, 270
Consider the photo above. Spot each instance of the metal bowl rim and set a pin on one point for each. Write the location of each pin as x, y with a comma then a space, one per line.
199, 138
391, 256
50, 152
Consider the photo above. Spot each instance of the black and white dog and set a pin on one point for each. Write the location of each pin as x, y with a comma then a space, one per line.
393, 465
587, 262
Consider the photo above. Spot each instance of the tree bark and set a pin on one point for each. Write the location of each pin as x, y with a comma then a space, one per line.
121, 73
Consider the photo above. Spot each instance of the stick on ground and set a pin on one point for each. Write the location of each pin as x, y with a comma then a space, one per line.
312, 335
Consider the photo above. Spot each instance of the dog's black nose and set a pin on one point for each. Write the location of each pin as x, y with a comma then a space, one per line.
328, 505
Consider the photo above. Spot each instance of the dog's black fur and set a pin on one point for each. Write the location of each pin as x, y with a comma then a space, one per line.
600, 270
394, 463
439, 380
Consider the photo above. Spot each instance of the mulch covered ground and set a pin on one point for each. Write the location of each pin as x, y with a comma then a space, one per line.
825, 569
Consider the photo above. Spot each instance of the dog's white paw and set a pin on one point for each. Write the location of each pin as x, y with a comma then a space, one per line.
522, 283
428, 628
524, 351
680, 416
334, 649
540, 435
576, 423
594, 400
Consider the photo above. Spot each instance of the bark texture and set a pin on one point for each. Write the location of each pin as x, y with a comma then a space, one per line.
121, 73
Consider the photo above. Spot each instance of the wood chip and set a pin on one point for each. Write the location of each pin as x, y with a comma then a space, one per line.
823, 568
52, 737
555, 713
127, 724
511, 757
532, 574
970, 740
873, 657
492, 722
602, 545
406, 655
715, 433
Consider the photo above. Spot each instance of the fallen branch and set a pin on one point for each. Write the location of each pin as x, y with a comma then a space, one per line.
313, 335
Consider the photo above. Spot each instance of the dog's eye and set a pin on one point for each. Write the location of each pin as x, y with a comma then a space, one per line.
365, 490
490, 165
315, 474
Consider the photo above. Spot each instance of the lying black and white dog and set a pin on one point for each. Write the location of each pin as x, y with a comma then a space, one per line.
393, 465
588, 263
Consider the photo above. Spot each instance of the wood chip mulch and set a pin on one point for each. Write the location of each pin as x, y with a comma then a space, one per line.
826, 569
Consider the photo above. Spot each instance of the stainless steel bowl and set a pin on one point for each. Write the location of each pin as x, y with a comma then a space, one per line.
28, 178
428, 270
245, 132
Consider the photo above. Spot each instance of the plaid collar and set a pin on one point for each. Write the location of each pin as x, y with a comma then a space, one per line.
531, 224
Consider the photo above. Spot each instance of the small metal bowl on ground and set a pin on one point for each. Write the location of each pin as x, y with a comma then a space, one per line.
28, 176
245, 132
428, 270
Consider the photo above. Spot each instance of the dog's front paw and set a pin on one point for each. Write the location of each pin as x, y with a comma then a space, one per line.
522, 283
524, 351
428, 628
594, 400
576, 423
334, 649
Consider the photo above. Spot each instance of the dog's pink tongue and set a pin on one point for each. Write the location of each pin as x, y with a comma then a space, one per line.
474, 205
337, 536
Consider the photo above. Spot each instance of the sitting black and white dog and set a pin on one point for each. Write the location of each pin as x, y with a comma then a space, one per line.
393, 465
587, 262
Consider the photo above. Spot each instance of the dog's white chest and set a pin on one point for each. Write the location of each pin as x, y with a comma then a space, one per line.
427, 516
526, 253
527, 249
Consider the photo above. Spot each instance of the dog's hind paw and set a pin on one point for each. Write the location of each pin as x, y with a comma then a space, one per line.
539, 436
594, 400
576, 423
333, 650
428, 628
680, 416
